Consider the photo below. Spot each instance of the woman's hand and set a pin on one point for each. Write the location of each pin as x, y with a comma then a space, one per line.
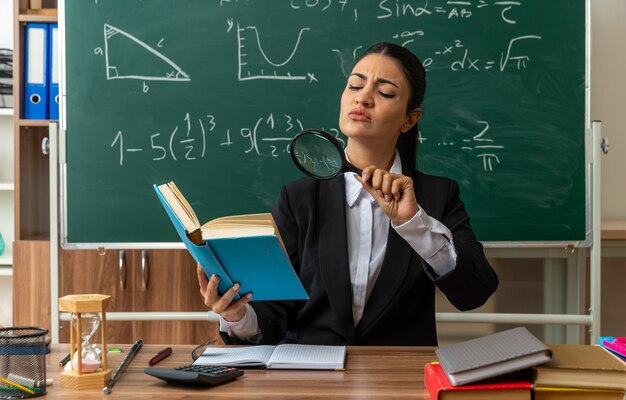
394, 193
222, 305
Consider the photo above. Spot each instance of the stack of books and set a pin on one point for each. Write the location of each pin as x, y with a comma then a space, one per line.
515, 386
581, 372
484, 368
495, 366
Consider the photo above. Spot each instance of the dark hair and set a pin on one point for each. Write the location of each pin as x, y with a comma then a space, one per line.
416, 76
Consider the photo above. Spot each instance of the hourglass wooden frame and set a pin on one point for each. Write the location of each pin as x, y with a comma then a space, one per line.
78, 304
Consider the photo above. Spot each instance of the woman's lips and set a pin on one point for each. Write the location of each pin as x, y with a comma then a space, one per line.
359, 115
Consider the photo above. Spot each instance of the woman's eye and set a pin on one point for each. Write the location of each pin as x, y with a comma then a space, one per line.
387, 95
354, 87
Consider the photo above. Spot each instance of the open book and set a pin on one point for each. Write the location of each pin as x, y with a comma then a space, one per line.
244, 249
283, 356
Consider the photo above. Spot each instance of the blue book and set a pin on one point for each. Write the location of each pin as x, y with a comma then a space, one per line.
245, 249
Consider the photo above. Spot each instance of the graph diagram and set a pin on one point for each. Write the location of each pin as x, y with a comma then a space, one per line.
255, 63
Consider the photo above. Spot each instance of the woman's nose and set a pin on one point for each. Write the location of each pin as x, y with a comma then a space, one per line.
364, 99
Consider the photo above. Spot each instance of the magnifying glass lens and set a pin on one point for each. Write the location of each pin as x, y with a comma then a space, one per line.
317, 155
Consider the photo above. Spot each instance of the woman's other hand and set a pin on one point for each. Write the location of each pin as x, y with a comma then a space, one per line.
394, 193
222, 305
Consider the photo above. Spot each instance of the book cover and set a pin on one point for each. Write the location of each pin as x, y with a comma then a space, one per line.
560, 393
616, 345
258, 263
492, 355
582, 366
282, 356
510, 387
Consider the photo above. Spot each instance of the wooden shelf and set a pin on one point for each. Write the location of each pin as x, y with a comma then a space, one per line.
36, 237
34, 122
43, 15
6, 270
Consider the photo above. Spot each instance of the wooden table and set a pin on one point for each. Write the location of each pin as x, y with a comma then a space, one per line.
381, 372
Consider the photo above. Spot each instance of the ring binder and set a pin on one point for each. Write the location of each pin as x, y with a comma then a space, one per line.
36, 65
53, 71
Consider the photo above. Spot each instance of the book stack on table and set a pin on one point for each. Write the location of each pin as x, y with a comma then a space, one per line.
514, 364
495, 366
581, 372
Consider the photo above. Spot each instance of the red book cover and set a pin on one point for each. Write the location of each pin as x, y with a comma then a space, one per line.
518, 386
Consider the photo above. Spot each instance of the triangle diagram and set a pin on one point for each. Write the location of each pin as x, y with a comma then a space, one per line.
129, 58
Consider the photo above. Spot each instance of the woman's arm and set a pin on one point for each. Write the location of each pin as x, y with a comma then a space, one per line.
472, 281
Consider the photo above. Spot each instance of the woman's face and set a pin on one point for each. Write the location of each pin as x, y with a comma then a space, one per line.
374, 102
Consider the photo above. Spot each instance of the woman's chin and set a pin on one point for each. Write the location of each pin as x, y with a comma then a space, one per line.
356, 130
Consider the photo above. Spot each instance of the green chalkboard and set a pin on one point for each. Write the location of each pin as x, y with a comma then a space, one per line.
208, 94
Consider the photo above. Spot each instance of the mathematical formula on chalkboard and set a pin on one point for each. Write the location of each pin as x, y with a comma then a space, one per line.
269, 135
188, 141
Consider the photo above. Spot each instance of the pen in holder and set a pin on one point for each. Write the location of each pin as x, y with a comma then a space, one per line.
88, 315
22, 362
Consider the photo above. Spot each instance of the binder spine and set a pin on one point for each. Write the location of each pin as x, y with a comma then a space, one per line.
36, 71
53, 71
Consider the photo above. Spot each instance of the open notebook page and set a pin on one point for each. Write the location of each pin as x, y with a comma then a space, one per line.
236, 356
298, 356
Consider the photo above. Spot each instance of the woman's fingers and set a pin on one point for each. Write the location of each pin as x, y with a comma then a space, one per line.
202, 279
237, 310
381, 183
222, 305
394, 193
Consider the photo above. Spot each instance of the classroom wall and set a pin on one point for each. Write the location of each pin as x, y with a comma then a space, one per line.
6, 126
608, 98
608, 103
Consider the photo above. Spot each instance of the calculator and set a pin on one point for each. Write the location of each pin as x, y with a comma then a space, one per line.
201, 375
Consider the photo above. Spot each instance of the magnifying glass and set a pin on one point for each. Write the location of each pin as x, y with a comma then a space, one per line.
320, 155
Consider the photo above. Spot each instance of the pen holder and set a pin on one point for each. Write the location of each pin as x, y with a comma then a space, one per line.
22, 362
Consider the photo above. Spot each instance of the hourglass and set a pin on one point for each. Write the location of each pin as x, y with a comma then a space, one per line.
85, 322
90, 359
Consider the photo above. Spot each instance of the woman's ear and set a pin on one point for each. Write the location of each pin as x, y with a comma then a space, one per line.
411, 119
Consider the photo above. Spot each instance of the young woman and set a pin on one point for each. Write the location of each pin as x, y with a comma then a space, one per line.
369, 249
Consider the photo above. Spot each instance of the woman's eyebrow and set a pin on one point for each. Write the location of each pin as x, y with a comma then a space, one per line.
379, 80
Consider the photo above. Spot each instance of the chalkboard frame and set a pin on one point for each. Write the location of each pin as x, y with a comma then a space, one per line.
589, 162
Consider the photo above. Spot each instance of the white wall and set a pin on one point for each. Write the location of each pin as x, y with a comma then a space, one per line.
6, 24
608, 98
6, 152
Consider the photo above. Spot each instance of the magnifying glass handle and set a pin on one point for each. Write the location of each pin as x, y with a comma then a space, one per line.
347, 167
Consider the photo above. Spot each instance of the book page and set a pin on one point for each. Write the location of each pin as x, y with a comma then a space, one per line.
186, 217
235, 232
252, 219
253, 356
302, 356
239, 226
184, 203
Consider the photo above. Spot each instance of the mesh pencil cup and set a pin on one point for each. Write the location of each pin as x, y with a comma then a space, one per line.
22, 362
